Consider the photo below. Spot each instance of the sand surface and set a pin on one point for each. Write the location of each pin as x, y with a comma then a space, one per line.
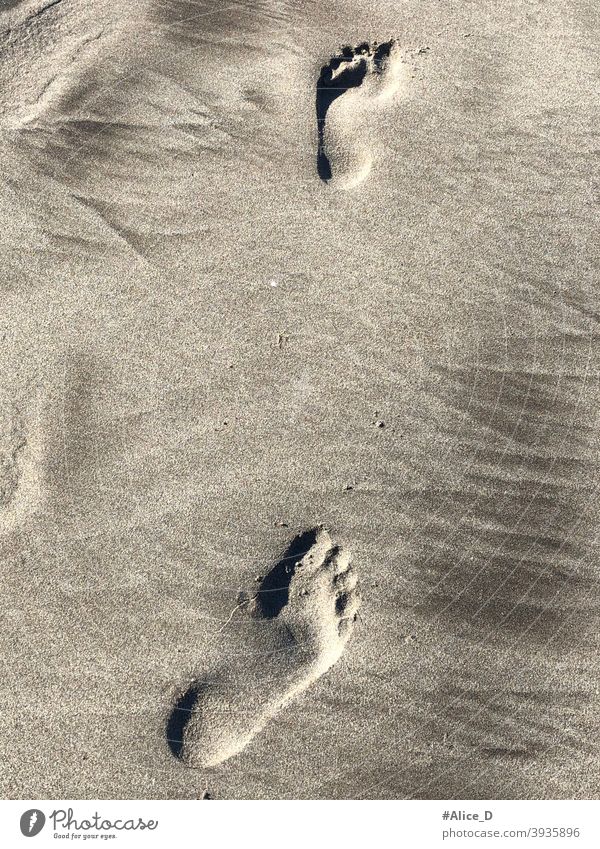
207, 350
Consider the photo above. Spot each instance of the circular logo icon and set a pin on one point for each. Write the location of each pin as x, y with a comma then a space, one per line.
32, 822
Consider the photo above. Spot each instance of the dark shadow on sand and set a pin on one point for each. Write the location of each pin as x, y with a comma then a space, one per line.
179, 718
274, 590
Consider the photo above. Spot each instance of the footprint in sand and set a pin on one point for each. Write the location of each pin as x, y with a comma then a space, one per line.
347, 90
305, 610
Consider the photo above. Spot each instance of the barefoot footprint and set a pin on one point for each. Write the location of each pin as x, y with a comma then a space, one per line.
305, 610
360, 76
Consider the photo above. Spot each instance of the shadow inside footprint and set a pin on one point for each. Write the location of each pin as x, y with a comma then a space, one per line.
179, 718
274, 590
332, 83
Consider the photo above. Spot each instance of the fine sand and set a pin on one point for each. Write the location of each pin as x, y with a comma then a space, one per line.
300, 382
